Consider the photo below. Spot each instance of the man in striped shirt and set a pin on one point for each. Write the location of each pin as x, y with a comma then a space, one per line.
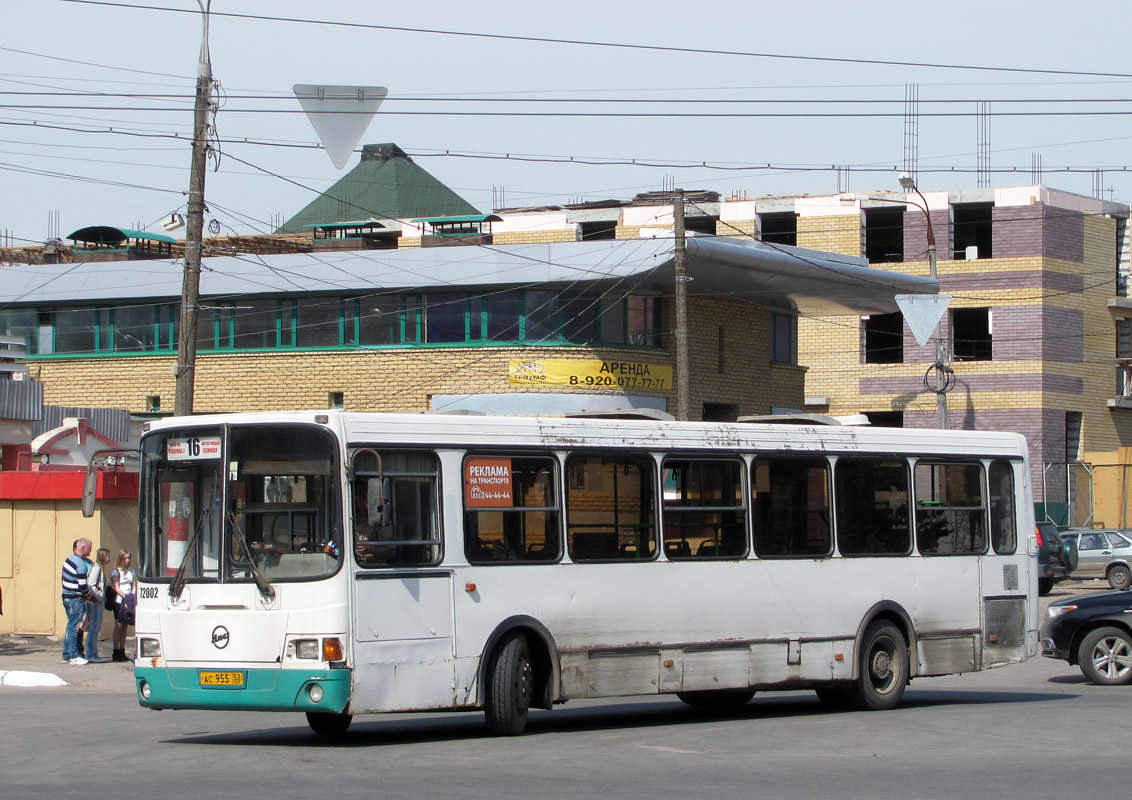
75, 592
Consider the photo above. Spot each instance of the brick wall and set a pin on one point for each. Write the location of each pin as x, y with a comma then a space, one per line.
839, 234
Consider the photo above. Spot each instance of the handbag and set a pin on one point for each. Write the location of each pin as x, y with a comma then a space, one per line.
110, 597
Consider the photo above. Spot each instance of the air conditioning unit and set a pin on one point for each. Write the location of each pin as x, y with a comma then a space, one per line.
973, 252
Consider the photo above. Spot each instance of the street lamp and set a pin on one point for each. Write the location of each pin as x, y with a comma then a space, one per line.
942, 374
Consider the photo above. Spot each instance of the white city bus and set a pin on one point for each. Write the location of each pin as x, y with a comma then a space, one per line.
341, 563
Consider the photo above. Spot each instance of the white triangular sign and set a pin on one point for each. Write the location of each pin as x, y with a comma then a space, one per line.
923, 313
340, 115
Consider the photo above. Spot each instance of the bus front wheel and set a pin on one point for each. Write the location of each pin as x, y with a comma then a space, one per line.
325, 724
509, 687
883, 668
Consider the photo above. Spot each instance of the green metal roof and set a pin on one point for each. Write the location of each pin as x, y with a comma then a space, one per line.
385, 184
458, 220
361, 223
107, 234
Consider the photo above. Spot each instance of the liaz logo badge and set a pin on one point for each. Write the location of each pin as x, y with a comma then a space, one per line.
219, 637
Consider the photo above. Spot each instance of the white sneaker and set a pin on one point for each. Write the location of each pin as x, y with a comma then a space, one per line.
78, 661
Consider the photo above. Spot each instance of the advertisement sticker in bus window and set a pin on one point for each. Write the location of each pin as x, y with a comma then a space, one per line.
193, 448
487, 483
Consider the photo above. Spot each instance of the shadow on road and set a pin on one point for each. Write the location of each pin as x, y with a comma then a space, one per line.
388, 731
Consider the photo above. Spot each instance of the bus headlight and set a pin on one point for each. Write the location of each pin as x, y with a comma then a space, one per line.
149, 648
144, 690
306, 648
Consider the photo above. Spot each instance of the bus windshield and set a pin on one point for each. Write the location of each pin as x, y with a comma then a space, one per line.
223, 504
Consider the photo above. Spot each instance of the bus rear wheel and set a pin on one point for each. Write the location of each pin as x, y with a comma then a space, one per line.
717, 699
326, 724
882, 669
509, 682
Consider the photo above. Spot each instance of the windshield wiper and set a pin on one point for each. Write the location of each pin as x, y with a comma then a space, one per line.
266, 590
178, 584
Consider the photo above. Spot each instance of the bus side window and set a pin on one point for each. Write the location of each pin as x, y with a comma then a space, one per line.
511, 509
951, 509
705, 515
610, 512
1003, 511
397, 514
872, 506
791, 501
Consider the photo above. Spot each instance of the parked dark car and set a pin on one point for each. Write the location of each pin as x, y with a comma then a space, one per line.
1102, 554
1056, 557
1094, 632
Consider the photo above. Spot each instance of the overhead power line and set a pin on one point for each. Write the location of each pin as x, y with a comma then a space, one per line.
594, 114
616, 45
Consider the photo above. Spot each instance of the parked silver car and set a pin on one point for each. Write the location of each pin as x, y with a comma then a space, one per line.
1102, 554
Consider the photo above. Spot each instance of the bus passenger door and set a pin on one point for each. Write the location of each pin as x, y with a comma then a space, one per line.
403, 641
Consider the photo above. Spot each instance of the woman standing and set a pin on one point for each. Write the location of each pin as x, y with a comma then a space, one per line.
123, 582
96, 580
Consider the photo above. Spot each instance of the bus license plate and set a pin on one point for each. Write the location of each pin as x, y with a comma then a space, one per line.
227, 680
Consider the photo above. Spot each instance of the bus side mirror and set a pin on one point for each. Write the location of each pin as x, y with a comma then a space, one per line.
90, 493
377, 501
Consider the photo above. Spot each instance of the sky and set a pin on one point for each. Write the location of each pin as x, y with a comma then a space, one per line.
742, 98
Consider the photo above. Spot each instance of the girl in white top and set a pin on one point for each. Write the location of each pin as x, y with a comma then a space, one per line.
122, 582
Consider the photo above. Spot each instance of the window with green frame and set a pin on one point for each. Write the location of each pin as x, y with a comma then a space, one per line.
22, 322
257, 323
81, 330
144, 328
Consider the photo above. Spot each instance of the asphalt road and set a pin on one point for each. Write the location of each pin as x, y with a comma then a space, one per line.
1029, 730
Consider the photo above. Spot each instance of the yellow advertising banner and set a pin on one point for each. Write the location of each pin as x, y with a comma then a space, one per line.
590, 374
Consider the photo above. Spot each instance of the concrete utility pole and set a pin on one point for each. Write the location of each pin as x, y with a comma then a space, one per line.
683, 381
185, 371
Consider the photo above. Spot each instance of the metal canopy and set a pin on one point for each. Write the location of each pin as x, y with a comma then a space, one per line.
813, 282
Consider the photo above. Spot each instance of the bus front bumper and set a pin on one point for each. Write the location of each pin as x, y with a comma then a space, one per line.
255, 689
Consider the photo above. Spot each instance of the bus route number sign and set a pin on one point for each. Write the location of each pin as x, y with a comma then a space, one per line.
192, 448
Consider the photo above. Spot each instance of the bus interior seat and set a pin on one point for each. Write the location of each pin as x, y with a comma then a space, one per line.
679, 549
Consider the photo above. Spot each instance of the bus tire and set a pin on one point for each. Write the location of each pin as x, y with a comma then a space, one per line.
882, 666
509, 683
328, 724
717, 699
1105, 657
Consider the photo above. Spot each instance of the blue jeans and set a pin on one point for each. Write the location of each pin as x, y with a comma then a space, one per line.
90, 642
75, 607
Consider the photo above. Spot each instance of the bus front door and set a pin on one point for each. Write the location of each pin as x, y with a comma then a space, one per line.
403, 657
